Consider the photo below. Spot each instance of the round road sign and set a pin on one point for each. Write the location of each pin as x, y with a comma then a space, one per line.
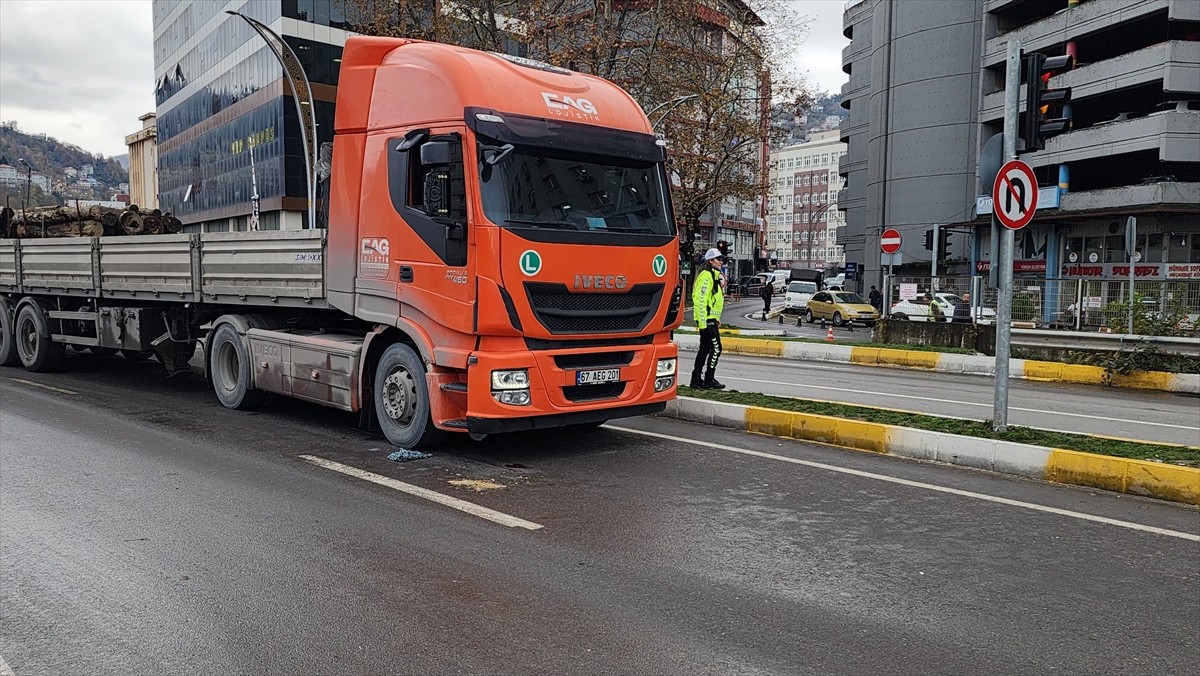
1014, 195
889, 241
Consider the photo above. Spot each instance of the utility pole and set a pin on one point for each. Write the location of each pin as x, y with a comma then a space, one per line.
1012, 87
28, 177
933, 256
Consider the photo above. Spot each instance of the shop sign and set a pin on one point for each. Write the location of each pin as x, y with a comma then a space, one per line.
1033, 265
1140, 271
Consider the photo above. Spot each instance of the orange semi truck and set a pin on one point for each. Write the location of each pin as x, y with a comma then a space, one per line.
501, 255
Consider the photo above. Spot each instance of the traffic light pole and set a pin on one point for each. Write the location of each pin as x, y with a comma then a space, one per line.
933, 258
1012, 87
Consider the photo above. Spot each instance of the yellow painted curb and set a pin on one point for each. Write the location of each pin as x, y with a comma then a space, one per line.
1145, 380
766, 348
1141, 477
864, 355
888, 356
856, 434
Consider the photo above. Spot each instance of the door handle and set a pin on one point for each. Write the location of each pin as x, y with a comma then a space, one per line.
406, 274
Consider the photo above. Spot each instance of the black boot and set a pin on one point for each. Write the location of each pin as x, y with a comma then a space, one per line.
710, 383
696, 383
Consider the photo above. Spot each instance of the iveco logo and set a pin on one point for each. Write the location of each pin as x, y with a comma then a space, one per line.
599, 282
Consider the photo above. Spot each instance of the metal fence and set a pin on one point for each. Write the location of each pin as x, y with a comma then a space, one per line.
1071, 304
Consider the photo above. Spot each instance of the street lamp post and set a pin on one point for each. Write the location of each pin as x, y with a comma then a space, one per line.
28, 177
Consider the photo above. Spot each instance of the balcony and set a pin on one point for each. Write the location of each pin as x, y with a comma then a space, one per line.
1082, 19
1176, 64
1184, 196
1174, 134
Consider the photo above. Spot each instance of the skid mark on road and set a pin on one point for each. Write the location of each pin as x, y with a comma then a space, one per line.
433, 496
44, 387
918, 484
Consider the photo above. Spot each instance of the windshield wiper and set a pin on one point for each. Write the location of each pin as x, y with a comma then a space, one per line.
562, 225
618, 228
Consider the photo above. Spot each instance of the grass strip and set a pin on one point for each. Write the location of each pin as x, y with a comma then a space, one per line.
1188, 456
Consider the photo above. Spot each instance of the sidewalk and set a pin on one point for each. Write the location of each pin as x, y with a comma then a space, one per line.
1029, 369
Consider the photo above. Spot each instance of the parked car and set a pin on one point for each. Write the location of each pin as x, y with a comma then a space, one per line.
836, 283
798, 294
840, 307
917, 309
749, 285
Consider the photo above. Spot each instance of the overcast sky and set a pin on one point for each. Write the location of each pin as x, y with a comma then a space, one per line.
82, 71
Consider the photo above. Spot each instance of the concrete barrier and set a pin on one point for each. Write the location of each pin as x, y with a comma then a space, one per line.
1140, 477
1029, 369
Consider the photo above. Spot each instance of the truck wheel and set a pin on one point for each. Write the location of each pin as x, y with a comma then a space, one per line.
38, 353
402, 399
8, 343
230, 371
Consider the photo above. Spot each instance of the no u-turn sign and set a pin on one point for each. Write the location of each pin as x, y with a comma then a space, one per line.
1014, 195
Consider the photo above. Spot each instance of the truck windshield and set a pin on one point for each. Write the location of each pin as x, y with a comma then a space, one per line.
541, 188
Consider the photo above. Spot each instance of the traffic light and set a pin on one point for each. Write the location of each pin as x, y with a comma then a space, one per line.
929, 240
943, 250
1045, 113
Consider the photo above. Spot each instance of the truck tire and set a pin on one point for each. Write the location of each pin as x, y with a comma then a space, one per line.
8, 342
402, 399
230, 371
37, 351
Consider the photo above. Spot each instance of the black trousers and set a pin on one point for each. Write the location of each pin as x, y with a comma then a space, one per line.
767, 304
708, 355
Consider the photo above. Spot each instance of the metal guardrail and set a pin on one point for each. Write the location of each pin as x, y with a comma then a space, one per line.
1073, 340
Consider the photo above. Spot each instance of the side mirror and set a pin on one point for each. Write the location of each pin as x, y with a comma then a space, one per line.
435, 154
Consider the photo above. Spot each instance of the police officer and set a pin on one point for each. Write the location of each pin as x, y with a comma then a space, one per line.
708, 299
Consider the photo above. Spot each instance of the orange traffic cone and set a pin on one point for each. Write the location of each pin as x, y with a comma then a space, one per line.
829, 335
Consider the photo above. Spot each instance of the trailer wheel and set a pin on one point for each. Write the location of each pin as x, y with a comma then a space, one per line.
8, 343
37, 351
230, 371
402, 399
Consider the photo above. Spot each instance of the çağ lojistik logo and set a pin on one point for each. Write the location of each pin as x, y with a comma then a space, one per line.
571, 108
373, 257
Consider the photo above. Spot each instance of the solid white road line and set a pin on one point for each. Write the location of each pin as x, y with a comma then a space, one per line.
433, 496
961, 403
917, 484
44, 387
5, 670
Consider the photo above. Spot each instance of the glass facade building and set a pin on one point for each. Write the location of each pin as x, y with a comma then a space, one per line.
227, 126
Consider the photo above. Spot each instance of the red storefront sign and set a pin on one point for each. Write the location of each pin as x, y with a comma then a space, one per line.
1140, 271
1018, 266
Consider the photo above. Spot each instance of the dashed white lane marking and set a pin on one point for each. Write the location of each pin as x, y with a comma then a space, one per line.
433, 496
917, 484
5, 670
44, 387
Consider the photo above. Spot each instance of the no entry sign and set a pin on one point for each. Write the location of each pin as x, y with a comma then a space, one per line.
1014, 195
889, 241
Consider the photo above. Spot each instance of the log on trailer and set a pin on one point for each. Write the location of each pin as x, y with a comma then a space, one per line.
77, 221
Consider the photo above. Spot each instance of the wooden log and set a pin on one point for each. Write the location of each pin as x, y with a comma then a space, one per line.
152, 224
109, 220
130, 223
172, 225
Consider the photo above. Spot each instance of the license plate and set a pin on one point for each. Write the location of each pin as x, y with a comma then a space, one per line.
597, 377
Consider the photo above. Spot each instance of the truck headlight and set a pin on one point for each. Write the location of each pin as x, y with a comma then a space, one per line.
666, 367
510, 380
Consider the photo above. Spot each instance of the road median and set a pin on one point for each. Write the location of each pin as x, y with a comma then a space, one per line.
951, 362
1163, 471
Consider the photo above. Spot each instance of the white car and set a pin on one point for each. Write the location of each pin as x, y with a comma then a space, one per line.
798, 294
917, 309
836, 283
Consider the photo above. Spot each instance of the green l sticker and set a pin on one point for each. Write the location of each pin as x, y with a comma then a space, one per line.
531, 263
659, 266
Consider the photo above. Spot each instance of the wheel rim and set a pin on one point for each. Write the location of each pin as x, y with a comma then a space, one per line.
27, 340
227, 365
400, 396
837, 318
808, 316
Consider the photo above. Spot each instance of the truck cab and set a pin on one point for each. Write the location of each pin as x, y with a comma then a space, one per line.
509, 224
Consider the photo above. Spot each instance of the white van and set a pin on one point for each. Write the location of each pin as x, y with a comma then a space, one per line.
779, 279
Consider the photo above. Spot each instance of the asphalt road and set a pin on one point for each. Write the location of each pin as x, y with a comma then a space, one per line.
746, 314
146, 530
1133, 414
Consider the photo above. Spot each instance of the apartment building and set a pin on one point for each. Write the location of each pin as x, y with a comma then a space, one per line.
925, 93
802, 208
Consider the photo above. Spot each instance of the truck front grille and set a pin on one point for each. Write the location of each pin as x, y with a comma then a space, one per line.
564, 312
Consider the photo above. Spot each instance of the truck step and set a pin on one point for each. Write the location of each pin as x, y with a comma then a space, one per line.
459, 424
454, 387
